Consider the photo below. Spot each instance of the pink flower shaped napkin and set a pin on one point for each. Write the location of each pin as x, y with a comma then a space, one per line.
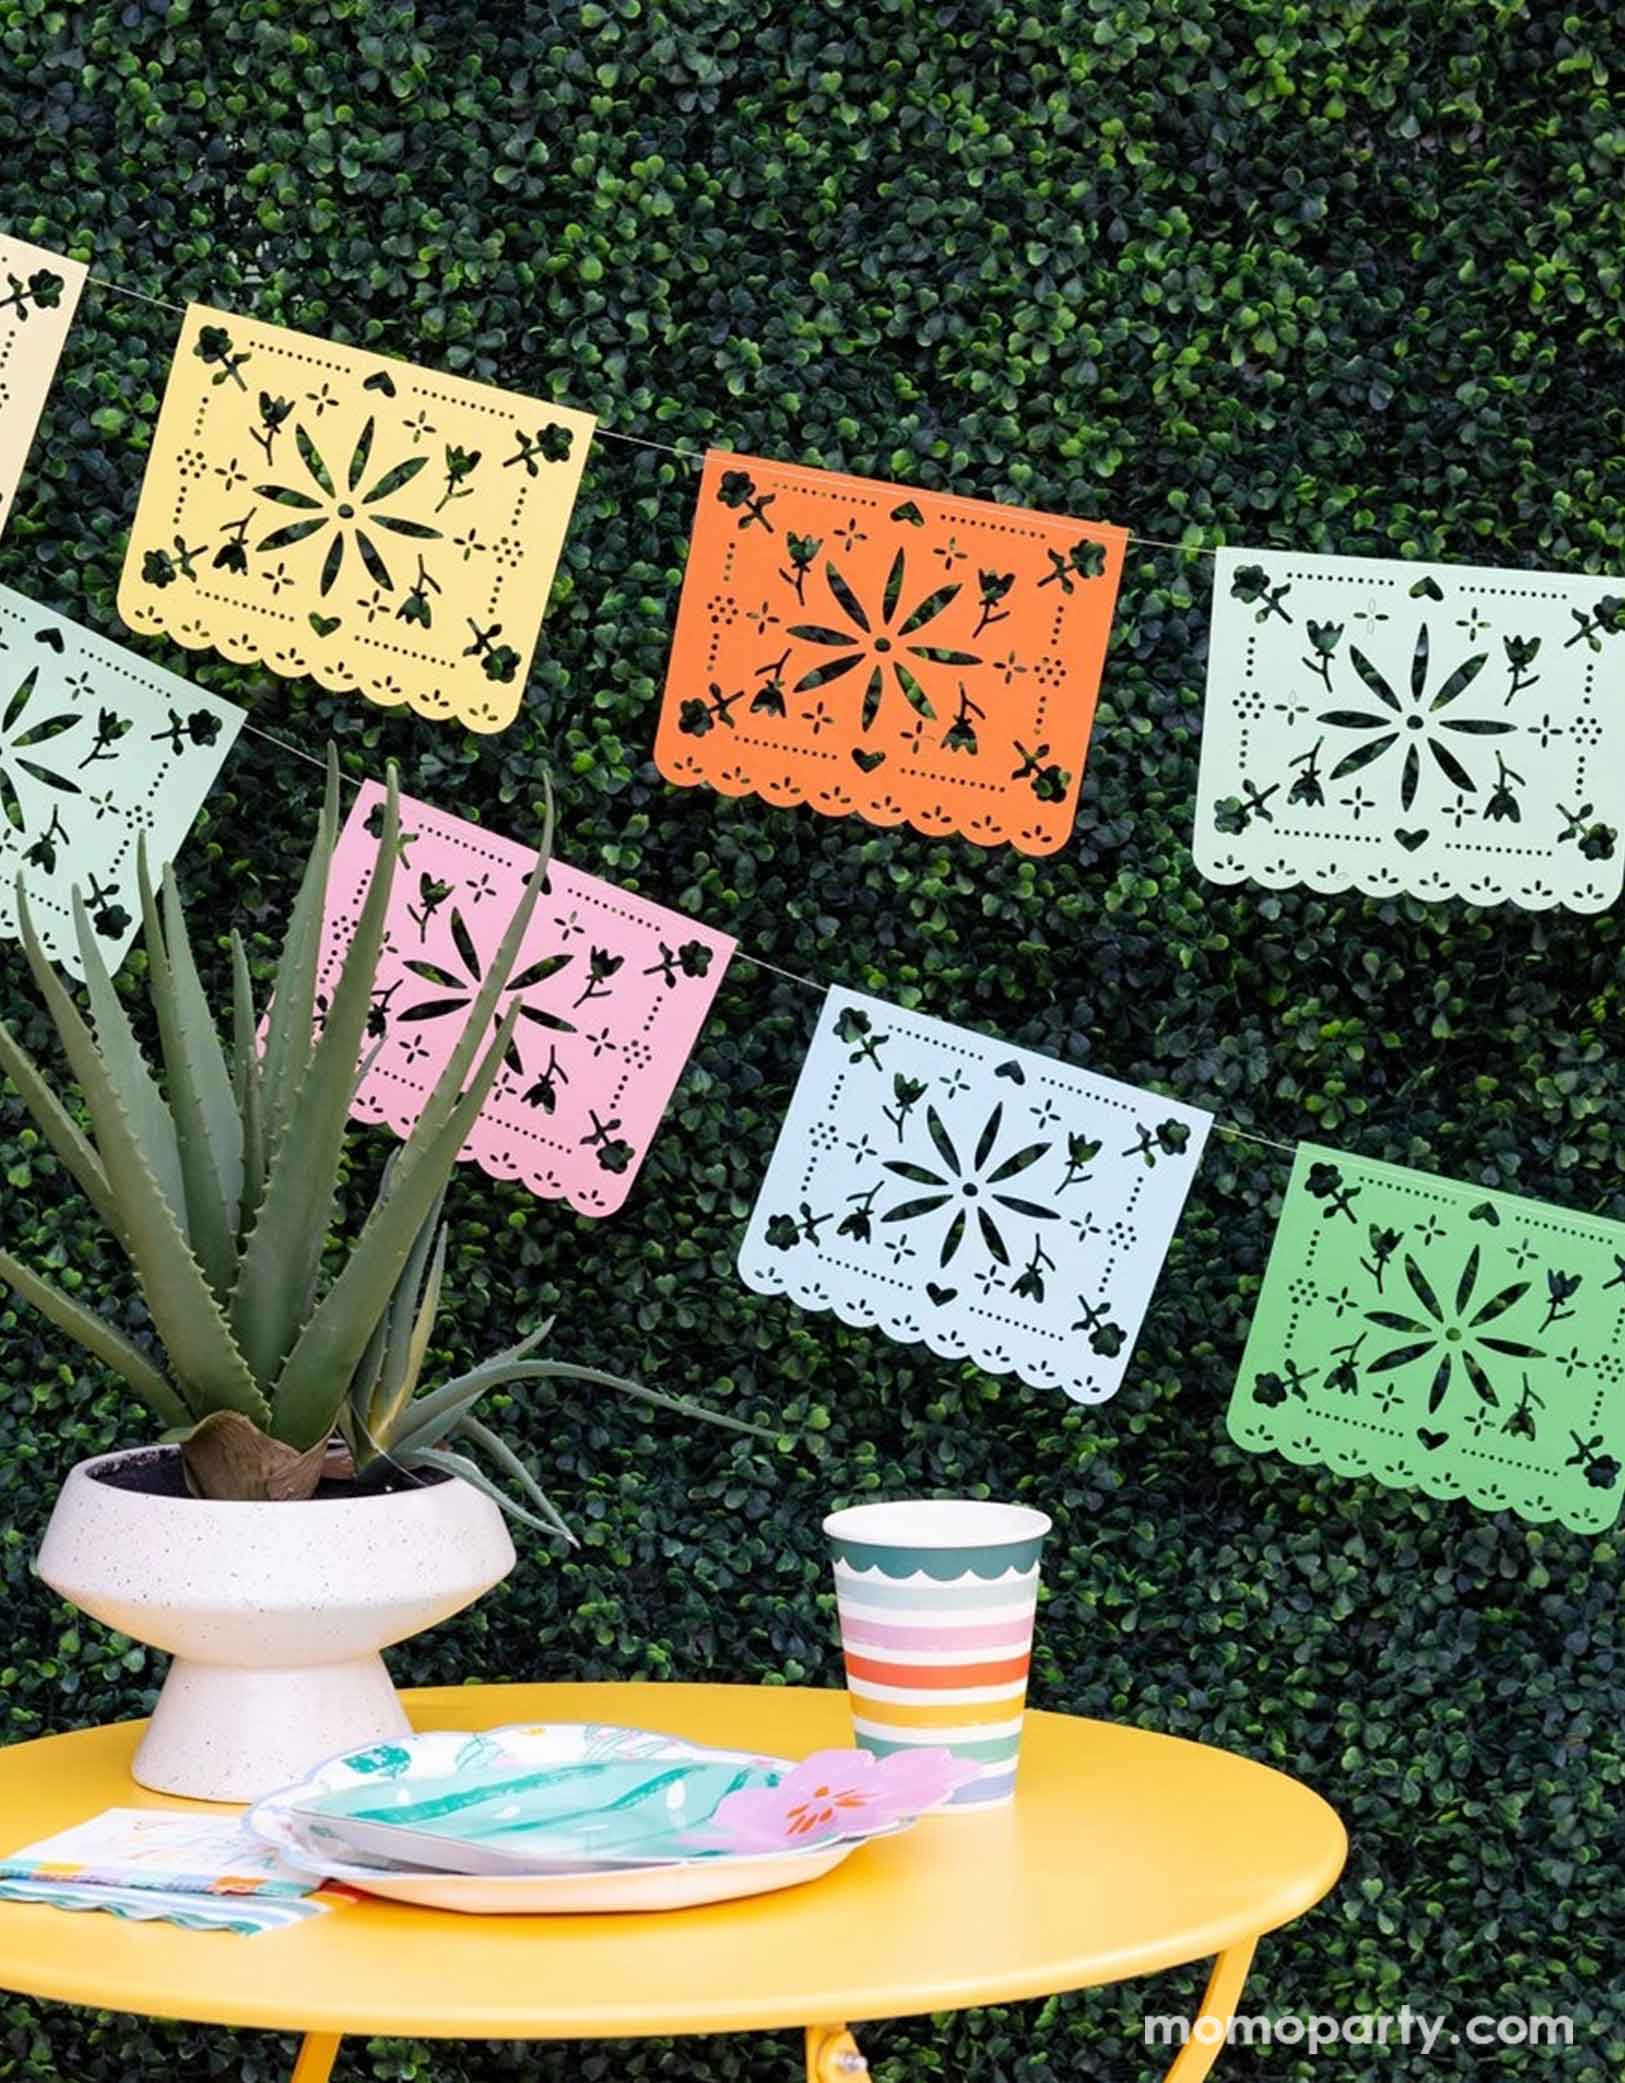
835, 1795
613, 991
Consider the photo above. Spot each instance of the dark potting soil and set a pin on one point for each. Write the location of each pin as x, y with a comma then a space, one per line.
157, 1472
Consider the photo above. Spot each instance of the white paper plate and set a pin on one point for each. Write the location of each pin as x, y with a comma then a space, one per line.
683, 1886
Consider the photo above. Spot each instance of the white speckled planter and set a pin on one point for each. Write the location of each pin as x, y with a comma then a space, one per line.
274, 1613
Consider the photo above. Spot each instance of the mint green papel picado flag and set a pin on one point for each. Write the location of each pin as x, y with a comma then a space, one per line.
1441, 1338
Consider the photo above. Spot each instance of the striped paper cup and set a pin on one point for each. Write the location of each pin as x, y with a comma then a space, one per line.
936, 1601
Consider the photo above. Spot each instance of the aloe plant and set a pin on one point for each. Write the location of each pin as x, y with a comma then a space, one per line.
219, 1181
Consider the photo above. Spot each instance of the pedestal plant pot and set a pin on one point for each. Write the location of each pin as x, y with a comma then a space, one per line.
274, 1613
273, 1331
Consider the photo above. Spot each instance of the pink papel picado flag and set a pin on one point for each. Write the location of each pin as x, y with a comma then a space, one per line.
613, 990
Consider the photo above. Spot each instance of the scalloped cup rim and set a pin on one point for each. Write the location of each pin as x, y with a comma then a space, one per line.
947, 1522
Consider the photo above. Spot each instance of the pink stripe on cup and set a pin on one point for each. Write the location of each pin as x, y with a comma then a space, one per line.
990, 1634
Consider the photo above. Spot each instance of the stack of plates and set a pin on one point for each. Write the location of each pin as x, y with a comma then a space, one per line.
561, 1816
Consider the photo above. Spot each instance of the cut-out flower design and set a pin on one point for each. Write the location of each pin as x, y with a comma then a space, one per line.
612, 1152
1453, 1331
24, 735
697, 717
461, 463
854, 1025
1324, 638
1105, 1337
1308, 788
1522, 1423
1047, 781
214, 347
802, 550
837, 1794
461, 987
602, 966
1503, 802
692, 958
738, 491
908, 1092
993, 586
498, 661
107, 915
551, 445
1271, 1390
968, 1188
1251, 583
1414, 721
876, 637
350, 514
1597, 842
273, 413
43, 853
1085, 560
43, 290
1521, 653
961, 733
1601, 1470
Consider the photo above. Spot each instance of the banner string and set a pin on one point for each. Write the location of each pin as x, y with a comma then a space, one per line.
790, 976
118, 289
686, 455
665, 448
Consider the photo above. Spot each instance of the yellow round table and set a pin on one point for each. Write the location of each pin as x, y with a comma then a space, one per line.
1122, 1854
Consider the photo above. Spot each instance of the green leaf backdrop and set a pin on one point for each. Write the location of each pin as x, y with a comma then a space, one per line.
1347, 278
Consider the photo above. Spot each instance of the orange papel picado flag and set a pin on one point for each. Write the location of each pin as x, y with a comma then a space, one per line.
896, 655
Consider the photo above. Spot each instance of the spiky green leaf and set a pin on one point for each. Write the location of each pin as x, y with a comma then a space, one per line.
434, 1415
184, 1313
410, 1329
469, 1471
281, 1260
248, 1086
128, 1072
316, 1376
364, 1382
102, 1340
206, 1058
489, 1443
444, 1096
211, 1219
72, 1147
564, 1370
292, 1016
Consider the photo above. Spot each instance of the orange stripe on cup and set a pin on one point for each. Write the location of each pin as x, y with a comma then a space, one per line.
937, 1677
892, 1714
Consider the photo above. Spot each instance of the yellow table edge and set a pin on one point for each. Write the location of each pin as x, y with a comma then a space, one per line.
79, 1972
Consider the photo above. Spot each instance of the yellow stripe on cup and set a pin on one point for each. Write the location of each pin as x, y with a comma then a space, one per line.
894, 1714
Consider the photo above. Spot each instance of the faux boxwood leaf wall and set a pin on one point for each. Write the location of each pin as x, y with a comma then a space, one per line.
1344, 278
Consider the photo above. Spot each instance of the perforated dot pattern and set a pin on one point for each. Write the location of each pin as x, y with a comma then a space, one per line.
988, 1200
613, 990
1446, 730
98, 748
349, 479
